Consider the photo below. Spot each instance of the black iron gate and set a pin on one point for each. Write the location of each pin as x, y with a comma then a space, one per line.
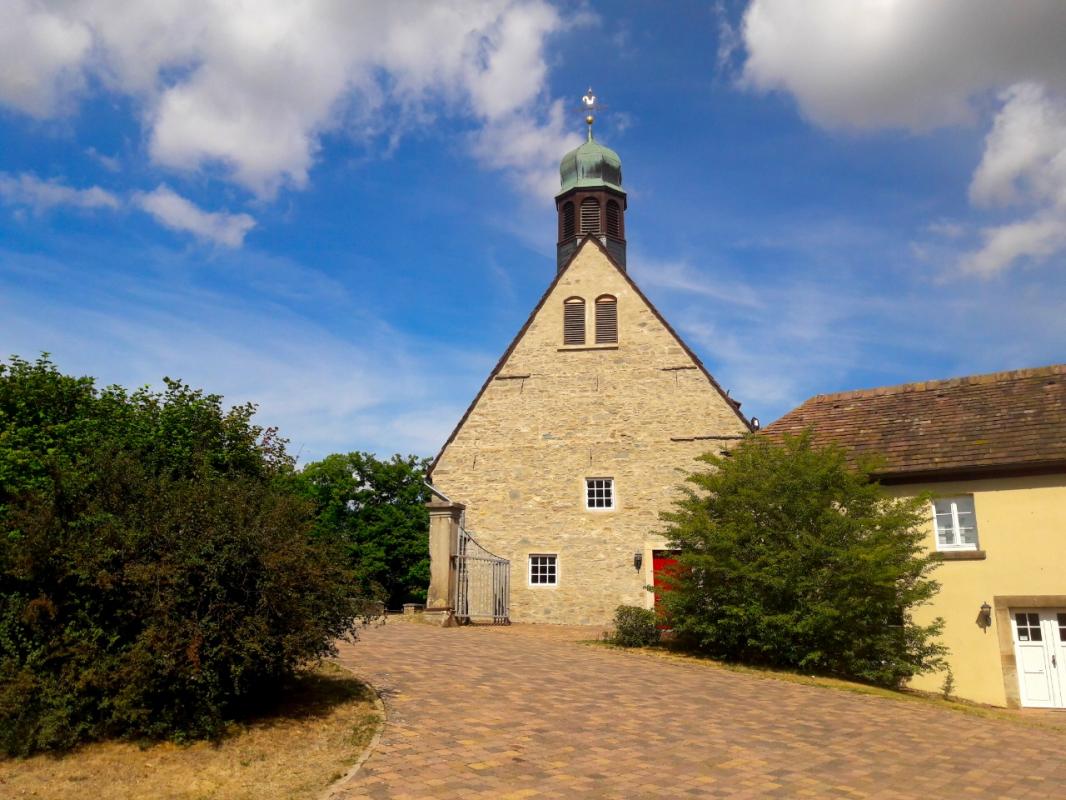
482, 583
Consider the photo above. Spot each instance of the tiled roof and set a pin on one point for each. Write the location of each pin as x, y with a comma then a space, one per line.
1006, 420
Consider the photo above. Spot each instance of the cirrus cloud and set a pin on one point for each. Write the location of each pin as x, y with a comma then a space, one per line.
175, 212
26, 189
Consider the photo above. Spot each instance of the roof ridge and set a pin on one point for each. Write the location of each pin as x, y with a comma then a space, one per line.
945, 383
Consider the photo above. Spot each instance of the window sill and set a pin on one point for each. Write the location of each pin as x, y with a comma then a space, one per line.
961, 555
588, 347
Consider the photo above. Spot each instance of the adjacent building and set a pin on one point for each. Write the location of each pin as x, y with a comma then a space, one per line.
992, 451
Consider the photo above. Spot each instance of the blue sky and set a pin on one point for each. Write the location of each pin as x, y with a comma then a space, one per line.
343, 211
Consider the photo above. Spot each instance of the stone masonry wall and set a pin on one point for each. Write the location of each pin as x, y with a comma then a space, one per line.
520, 461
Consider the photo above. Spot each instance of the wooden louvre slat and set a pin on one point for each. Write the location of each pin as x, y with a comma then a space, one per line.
590, 215
568, 221
606, 320
614, 226
574, 321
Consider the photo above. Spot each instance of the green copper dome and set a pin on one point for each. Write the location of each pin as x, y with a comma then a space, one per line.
591, 165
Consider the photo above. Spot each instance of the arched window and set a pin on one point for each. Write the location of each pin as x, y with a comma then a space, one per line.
606, 320
590, 215
614, 219
567, 222
574, 321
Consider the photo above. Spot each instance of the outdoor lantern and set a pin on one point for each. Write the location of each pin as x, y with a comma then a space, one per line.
638, 559
984, 619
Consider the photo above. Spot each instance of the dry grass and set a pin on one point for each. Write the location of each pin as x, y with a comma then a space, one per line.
310, 740
1029, 717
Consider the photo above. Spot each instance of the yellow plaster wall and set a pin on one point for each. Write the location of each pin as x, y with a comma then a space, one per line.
520, 460
1021, 525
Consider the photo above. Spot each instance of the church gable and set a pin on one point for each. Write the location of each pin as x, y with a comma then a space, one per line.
595, 364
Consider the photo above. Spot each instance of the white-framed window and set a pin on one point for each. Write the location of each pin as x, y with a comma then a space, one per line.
955, 522
599, 494
543, 569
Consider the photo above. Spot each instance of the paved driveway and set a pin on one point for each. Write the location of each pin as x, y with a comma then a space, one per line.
526, 711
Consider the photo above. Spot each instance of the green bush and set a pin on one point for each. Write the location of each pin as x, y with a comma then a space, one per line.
792, 558
158, 576
634, 627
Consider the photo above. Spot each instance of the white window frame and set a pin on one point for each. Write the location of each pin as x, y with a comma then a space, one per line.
956, 529
614, 494
529, 570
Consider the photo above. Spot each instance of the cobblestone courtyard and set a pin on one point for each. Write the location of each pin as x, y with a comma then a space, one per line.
527, 711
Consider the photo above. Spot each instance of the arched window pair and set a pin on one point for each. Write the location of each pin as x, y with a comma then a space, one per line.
606, 320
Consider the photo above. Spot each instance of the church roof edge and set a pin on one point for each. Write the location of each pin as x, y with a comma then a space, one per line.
529, 321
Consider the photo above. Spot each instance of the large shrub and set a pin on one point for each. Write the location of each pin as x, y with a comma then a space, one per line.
375, 509
789, 557
157, 575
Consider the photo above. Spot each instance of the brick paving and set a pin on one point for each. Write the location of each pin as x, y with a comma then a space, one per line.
528, 712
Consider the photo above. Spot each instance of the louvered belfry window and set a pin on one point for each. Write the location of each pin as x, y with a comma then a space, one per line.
606, 320
614, 220
574, 321
590, 215
568, 221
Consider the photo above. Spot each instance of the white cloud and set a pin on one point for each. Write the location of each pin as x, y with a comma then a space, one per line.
528, 151
1024, 164
1002, 245
251, 87
175, 212
41, 54
919, 65
908, 63
27, 189
1025, 152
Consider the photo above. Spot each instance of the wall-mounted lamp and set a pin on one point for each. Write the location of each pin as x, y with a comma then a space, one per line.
638, 559
984, 619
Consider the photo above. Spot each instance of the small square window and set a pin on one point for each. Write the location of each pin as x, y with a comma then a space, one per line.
955, 522
599, 493
543, 570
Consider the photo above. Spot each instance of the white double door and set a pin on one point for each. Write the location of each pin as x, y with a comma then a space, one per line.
1040, 654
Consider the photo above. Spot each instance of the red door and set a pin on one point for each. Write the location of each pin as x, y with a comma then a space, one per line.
663, 566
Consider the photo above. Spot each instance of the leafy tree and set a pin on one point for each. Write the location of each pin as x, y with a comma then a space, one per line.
789, 557
376, 510
158, 576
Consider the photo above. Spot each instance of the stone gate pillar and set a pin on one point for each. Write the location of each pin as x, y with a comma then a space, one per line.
444, 519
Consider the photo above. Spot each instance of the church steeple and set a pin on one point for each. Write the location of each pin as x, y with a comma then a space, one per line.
591, 198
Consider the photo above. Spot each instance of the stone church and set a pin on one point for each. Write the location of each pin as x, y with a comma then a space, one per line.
585, 428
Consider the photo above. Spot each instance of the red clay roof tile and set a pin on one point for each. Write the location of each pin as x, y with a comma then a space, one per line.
1005, 419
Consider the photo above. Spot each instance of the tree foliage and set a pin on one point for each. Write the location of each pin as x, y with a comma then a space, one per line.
375, 509
158, 576
789, 557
